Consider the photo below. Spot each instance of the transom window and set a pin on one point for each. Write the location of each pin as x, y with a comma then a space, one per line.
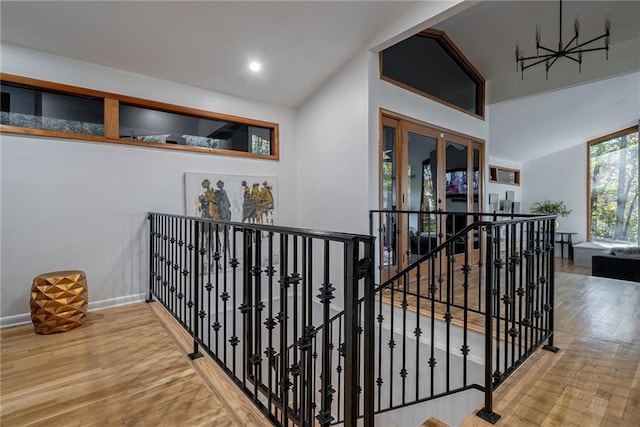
430, 64
36, 107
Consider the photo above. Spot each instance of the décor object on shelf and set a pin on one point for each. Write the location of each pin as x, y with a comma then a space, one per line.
59, 301
508, 205
572, 50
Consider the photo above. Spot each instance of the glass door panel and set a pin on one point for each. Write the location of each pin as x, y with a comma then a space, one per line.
422, 193
389, 200
457, 189
424, 170
476, 194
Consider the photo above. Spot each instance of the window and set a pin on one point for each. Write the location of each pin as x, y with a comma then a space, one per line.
431, 65
34, 108
49, 109
613, 188
165, 127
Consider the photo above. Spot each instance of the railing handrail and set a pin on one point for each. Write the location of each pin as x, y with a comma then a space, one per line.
294, 231
431, 253
511, 239
442, 212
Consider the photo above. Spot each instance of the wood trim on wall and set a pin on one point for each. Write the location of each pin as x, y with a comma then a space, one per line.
111, 118
399, 116
457, 55
112, 102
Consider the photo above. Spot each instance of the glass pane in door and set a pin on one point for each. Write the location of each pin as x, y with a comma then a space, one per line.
476, 194
389, 194
457, 188
421, 193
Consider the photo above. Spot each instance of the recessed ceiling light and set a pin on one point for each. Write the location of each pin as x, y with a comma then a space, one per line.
255, 66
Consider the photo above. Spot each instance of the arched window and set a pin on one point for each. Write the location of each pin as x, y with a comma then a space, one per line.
431, 65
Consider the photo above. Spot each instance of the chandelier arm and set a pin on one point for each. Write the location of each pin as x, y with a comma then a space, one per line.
537, 62
550, 50
570, 42
594, 49
580, 49
571, 58
552, 62
543, 56
591, 41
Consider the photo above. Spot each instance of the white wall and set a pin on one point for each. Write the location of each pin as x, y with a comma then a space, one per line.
560, 176
333, 157
78, 205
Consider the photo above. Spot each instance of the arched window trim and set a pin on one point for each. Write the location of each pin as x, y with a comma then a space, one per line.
459, 58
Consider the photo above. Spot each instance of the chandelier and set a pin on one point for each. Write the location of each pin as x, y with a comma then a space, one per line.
573, 50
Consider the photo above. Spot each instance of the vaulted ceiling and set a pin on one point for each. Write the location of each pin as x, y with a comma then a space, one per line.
302, 44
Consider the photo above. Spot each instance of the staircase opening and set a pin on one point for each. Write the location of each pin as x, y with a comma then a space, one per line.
303, 323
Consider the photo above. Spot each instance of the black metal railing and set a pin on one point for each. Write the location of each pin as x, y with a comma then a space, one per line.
294, 318
467, 298
262, 301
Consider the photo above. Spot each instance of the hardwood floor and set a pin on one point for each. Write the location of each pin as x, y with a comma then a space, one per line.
594, 380
122, 367
128, 366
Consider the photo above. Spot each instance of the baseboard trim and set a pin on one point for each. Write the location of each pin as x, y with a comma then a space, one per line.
23, 319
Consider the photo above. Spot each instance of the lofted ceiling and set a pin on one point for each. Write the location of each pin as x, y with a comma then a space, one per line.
302, 44
533, 116
207, 44
487, 34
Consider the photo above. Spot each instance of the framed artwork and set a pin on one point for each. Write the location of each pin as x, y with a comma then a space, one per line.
238, 198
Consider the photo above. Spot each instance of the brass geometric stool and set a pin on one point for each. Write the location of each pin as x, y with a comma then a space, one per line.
59, 301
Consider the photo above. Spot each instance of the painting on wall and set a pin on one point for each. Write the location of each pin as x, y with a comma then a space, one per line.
239, 198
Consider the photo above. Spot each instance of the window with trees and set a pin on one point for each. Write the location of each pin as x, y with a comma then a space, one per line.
613, 188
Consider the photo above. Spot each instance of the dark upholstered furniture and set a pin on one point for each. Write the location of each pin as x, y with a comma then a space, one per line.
617, 263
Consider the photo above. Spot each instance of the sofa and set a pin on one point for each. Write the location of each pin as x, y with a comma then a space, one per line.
617, 263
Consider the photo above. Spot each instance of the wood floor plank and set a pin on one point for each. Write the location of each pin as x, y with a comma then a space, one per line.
122, 367
594, 379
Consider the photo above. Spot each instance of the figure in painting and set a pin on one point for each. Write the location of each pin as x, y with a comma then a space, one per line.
248, 205
267, 203
257, 204
206, 204
224, 206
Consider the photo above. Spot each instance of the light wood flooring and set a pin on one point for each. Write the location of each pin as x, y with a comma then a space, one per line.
122, 367
594, 379
128, 366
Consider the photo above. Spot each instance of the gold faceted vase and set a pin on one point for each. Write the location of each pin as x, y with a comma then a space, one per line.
59, 301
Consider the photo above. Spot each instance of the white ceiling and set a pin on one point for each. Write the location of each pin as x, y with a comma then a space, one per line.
208, 44
487, 33
533, 117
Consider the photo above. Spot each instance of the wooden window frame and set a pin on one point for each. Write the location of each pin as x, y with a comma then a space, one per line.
589, 144
495, 171
112, 123
452, 50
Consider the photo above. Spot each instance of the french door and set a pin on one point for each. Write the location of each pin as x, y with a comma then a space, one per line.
426, 169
